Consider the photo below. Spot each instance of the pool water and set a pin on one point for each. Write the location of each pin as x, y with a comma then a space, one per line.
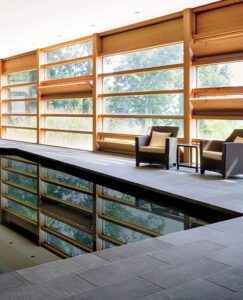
72, 215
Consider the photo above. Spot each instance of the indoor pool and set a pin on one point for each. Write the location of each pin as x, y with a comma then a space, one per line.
64, 214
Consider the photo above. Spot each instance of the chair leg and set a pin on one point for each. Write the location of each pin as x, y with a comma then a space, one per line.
225, 176
137, 163
202, 171
167, 167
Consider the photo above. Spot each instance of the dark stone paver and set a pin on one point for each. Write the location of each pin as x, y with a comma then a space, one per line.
204, 232
186, 252
232, 256
55, 269
130, 289
231, 278
122, 269
172, 276
119, 253
198, 289
235, 296
11, 280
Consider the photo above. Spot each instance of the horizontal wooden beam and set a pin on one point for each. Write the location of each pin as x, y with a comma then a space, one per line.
66, 130
237, 90
12, 86
19, 100
217, 103
68, 43
19, 127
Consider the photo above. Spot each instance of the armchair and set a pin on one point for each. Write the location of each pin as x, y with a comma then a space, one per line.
224, 157
165, 156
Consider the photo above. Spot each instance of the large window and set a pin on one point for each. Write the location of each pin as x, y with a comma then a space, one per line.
20, 106
69, 122
217, 83
143, 88
19, 187
67, 117
69, 61
69, 200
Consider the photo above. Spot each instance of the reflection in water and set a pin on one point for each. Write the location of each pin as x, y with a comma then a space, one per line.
71, 216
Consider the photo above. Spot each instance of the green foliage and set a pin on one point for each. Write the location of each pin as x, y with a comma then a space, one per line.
70, 231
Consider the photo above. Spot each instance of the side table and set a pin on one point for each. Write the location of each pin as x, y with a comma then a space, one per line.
190, 164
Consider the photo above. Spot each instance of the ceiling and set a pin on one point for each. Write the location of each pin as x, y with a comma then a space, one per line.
31, 24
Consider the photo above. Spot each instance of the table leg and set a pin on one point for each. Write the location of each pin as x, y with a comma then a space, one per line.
196, 160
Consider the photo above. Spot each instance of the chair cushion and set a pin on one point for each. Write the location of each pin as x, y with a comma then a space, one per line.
158, 139
213, 155
152, 149
238, 139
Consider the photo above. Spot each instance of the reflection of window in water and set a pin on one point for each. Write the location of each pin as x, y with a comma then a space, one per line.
73, 216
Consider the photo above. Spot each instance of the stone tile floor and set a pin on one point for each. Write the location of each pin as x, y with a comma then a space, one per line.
201, 263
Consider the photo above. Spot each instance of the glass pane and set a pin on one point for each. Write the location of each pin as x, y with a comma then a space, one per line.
118, 195
161, 56
70, 196
63, 246
22, 195
22, 210
21, 77
21, 180
121, 233
66, 178
217, 129
106, 245
22, 166
21, 121
69, 123
144, 219
169, 104
220, 75
69, 52
24, 92
24, 135
152, 81
138, 126
69, 70
21, 107
69, 231
69, 106
72, 140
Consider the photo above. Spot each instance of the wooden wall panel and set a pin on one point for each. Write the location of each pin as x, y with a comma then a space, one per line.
220, 20
20, 63
149, 36
221, 46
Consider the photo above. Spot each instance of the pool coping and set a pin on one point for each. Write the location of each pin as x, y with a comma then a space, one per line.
37, 157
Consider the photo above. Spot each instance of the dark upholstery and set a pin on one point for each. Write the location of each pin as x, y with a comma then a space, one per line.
232, 159
168, 158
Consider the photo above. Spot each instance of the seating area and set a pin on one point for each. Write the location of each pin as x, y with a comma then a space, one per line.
160, 147
121, 150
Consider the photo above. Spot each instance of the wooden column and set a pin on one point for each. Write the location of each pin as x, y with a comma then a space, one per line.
189, 76
40, 102
2, 110
97, 89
